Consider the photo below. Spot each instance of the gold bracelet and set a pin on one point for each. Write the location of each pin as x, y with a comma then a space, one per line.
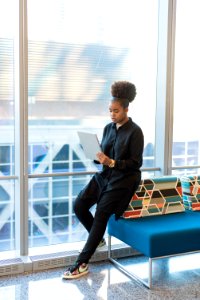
112, 164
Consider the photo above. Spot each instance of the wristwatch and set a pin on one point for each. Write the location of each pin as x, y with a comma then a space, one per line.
112, 164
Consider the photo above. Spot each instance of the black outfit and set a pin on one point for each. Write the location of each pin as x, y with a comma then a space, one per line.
111, 189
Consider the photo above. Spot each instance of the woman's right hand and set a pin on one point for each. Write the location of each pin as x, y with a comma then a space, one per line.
103, 159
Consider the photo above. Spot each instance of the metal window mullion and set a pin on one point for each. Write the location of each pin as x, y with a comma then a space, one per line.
165, 86
170, 83
21, 135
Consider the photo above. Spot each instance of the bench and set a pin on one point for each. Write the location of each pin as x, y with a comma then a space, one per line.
157, 224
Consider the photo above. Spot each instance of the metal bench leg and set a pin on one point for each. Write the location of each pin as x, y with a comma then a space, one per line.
126, 272
150, 273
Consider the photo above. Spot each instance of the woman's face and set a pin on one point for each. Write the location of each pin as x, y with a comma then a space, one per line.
118, 114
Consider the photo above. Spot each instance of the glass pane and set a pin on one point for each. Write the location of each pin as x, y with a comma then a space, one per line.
186, 139
51, 216
7, 85
7, 215
8, 42
71, 68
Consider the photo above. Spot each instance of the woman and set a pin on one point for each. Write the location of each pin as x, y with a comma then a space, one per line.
112, 188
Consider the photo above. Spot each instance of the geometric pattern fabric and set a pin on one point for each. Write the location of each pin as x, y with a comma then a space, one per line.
156, 196
191, 192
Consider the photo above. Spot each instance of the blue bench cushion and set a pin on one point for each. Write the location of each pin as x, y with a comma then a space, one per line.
191, 192
159, 236
156, 196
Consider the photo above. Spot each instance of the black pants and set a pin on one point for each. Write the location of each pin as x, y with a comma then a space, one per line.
106, 201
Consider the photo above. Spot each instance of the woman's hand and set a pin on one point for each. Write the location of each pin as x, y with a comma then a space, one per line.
103, 159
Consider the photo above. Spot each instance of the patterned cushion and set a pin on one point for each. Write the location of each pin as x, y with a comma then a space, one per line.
191, 192
156, 196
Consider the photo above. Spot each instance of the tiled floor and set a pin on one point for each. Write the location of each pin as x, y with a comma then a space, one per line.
173, 278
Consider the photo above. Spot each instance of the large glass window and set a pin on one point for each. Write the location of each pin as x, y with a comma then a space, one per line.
186, 138
75, 52
8, 22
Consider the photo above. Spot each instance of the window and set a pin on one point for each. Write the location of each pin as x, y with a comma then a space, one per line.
73, 58
186, 87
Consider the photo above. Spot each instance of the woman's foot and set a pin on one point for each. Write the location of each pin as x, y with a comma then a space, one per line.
76, 271
101, 244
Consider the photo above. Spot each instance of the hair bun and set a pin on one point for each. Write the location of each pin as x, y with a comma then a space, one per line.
123, 90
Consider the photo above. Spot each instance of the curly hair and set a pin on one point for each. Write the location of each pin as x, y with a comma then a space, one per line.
123, 90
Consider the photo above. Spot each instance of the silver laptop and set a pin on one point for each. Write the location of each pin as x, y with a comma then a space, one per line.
90, 144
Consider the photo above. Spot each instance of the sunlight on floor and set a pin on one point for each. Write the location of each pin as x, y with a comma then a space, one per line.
140, 269
114, 276
47, 287
183, 263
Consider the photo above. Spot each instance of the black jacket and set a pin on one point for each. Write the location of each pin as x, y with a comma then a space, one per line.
125, 146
